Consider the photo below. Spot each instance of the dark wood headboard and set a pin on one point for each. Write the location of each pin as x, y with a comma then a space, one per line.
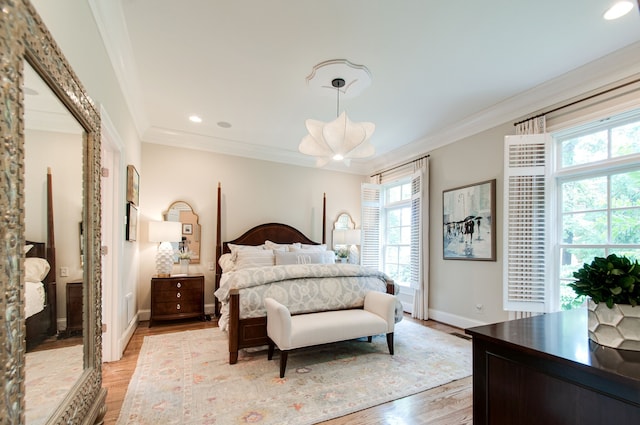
274, 232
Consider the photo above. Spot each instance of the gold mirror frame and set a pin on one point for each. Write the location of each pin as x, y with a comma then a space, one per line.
24, 37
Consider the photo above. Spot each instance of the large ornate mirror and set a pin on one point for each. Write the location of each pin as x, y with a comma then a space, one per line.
182, 212
32, 62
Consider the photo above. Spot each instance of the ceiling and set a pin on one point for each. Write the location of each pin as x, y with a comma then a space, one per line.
441, 70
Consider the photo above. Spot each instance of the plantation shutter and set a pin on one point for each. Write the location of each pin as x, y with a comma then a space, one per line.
416, 230
371, 201
526, 223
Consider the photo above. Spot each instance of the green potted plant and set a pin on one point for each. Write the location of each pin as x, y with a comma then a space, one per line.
342, 254
612, 285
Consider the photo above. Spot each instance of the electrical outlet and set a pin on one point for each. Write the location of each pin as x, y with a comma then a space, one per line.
64, 271
212, 266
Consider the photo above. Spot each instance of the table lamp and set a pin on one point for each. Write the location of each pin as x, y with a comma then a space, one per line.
352, 239
164, 232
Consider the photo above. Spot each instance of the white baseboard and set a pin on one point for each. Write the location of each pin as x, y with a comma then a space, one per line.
126, 335
453, 319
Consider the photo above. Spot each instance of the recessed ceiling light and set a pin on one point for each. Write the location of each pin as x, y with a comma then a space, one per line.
618, 10
195, 118
224, 124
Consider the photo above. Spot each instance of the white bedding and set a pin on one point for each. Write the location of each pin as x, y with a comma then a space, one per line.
35, 270
34, 298
301, 287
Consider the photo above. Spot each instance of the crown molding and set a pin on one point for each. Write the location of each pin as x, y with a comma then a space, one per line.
115, 37
184, 140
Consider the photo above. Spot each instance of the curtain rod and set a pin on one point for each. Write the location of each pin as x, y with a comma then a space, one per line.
578, 101
398, 166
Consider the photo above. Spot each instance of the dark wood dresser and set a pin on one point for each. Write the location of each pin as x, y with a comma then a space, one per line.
545, 370
177, 297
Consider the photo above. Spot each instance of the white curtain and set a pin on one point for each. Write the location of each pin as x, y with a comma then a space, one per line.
420, 207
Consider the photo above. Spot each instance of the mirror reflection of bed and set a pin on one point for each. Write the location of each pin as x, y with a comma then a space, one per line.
53, 200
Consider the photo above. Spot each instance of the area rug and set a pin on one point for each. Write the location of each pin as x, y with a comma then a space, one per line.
185, 378
49, 375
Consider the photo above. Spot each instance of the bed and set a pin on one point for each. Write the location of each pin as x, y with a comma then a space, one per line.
266, 261
40, 285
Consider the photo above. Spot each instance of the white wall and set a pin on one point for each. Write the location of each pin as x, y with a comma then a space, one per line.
457, 287
253, 192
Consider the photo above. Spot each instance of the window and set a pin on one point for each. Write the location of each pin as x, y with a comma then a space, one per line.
392, 229
397, 232
556, 218
598, 187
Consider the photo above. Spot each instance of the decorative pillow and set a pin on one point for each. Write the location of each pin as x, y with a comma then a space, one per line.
305, 257
35, 269
308, 248
226, 262
254, 258
235, 248
280, 246
26, 248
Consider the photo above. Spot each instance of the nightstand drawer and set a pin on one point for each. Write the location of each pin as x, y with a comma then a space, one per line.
177, 298
163, 309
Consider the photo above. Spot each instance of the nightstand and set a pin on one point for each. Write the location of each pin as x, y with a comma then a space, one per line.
177, 297
74, 308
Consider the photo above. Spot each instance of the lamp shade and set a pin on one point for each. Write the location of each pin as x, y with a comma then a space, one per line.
165, 231
352, 237
339, 237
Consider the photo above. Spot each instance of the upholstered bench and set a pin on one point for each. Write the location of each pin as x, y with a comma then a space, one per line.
289, 332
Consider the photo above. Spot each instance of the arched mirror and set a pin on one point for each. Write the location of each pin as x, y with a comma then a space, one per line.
182, 212
344, 222
345, 239
48, 121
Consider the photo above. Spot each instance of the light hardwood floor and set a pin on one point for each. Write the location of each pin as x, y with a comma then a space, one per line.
449, 404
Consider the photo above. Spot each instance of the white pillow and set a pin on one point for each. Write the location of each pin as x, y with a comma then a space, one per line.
281, 246
35, 269
226, 262
308, 248
254, 258
305, 257
27, 248
235, 248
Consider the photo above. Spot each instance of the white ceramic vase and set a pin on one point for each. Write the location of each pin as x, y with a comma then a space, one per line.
617, 327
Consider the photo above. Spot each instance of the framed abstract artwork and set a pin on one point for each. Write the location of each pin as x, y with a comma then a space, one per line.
469, 222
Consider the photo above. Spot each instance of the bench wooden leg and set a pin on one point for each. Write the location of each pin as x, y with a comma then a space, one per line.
283, 362
390, 342
271, 349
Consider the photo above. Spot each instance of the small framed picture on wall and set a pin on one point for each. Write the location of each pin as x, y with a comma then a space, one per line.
132, 222
133, 185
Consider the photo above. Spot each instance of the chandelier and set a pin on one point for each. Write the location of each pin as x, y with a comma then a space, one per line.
340, 139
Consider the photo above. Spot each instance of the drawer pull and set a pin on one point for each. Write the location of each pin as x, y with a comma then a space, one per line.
178, 307
179, 285
178, 295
